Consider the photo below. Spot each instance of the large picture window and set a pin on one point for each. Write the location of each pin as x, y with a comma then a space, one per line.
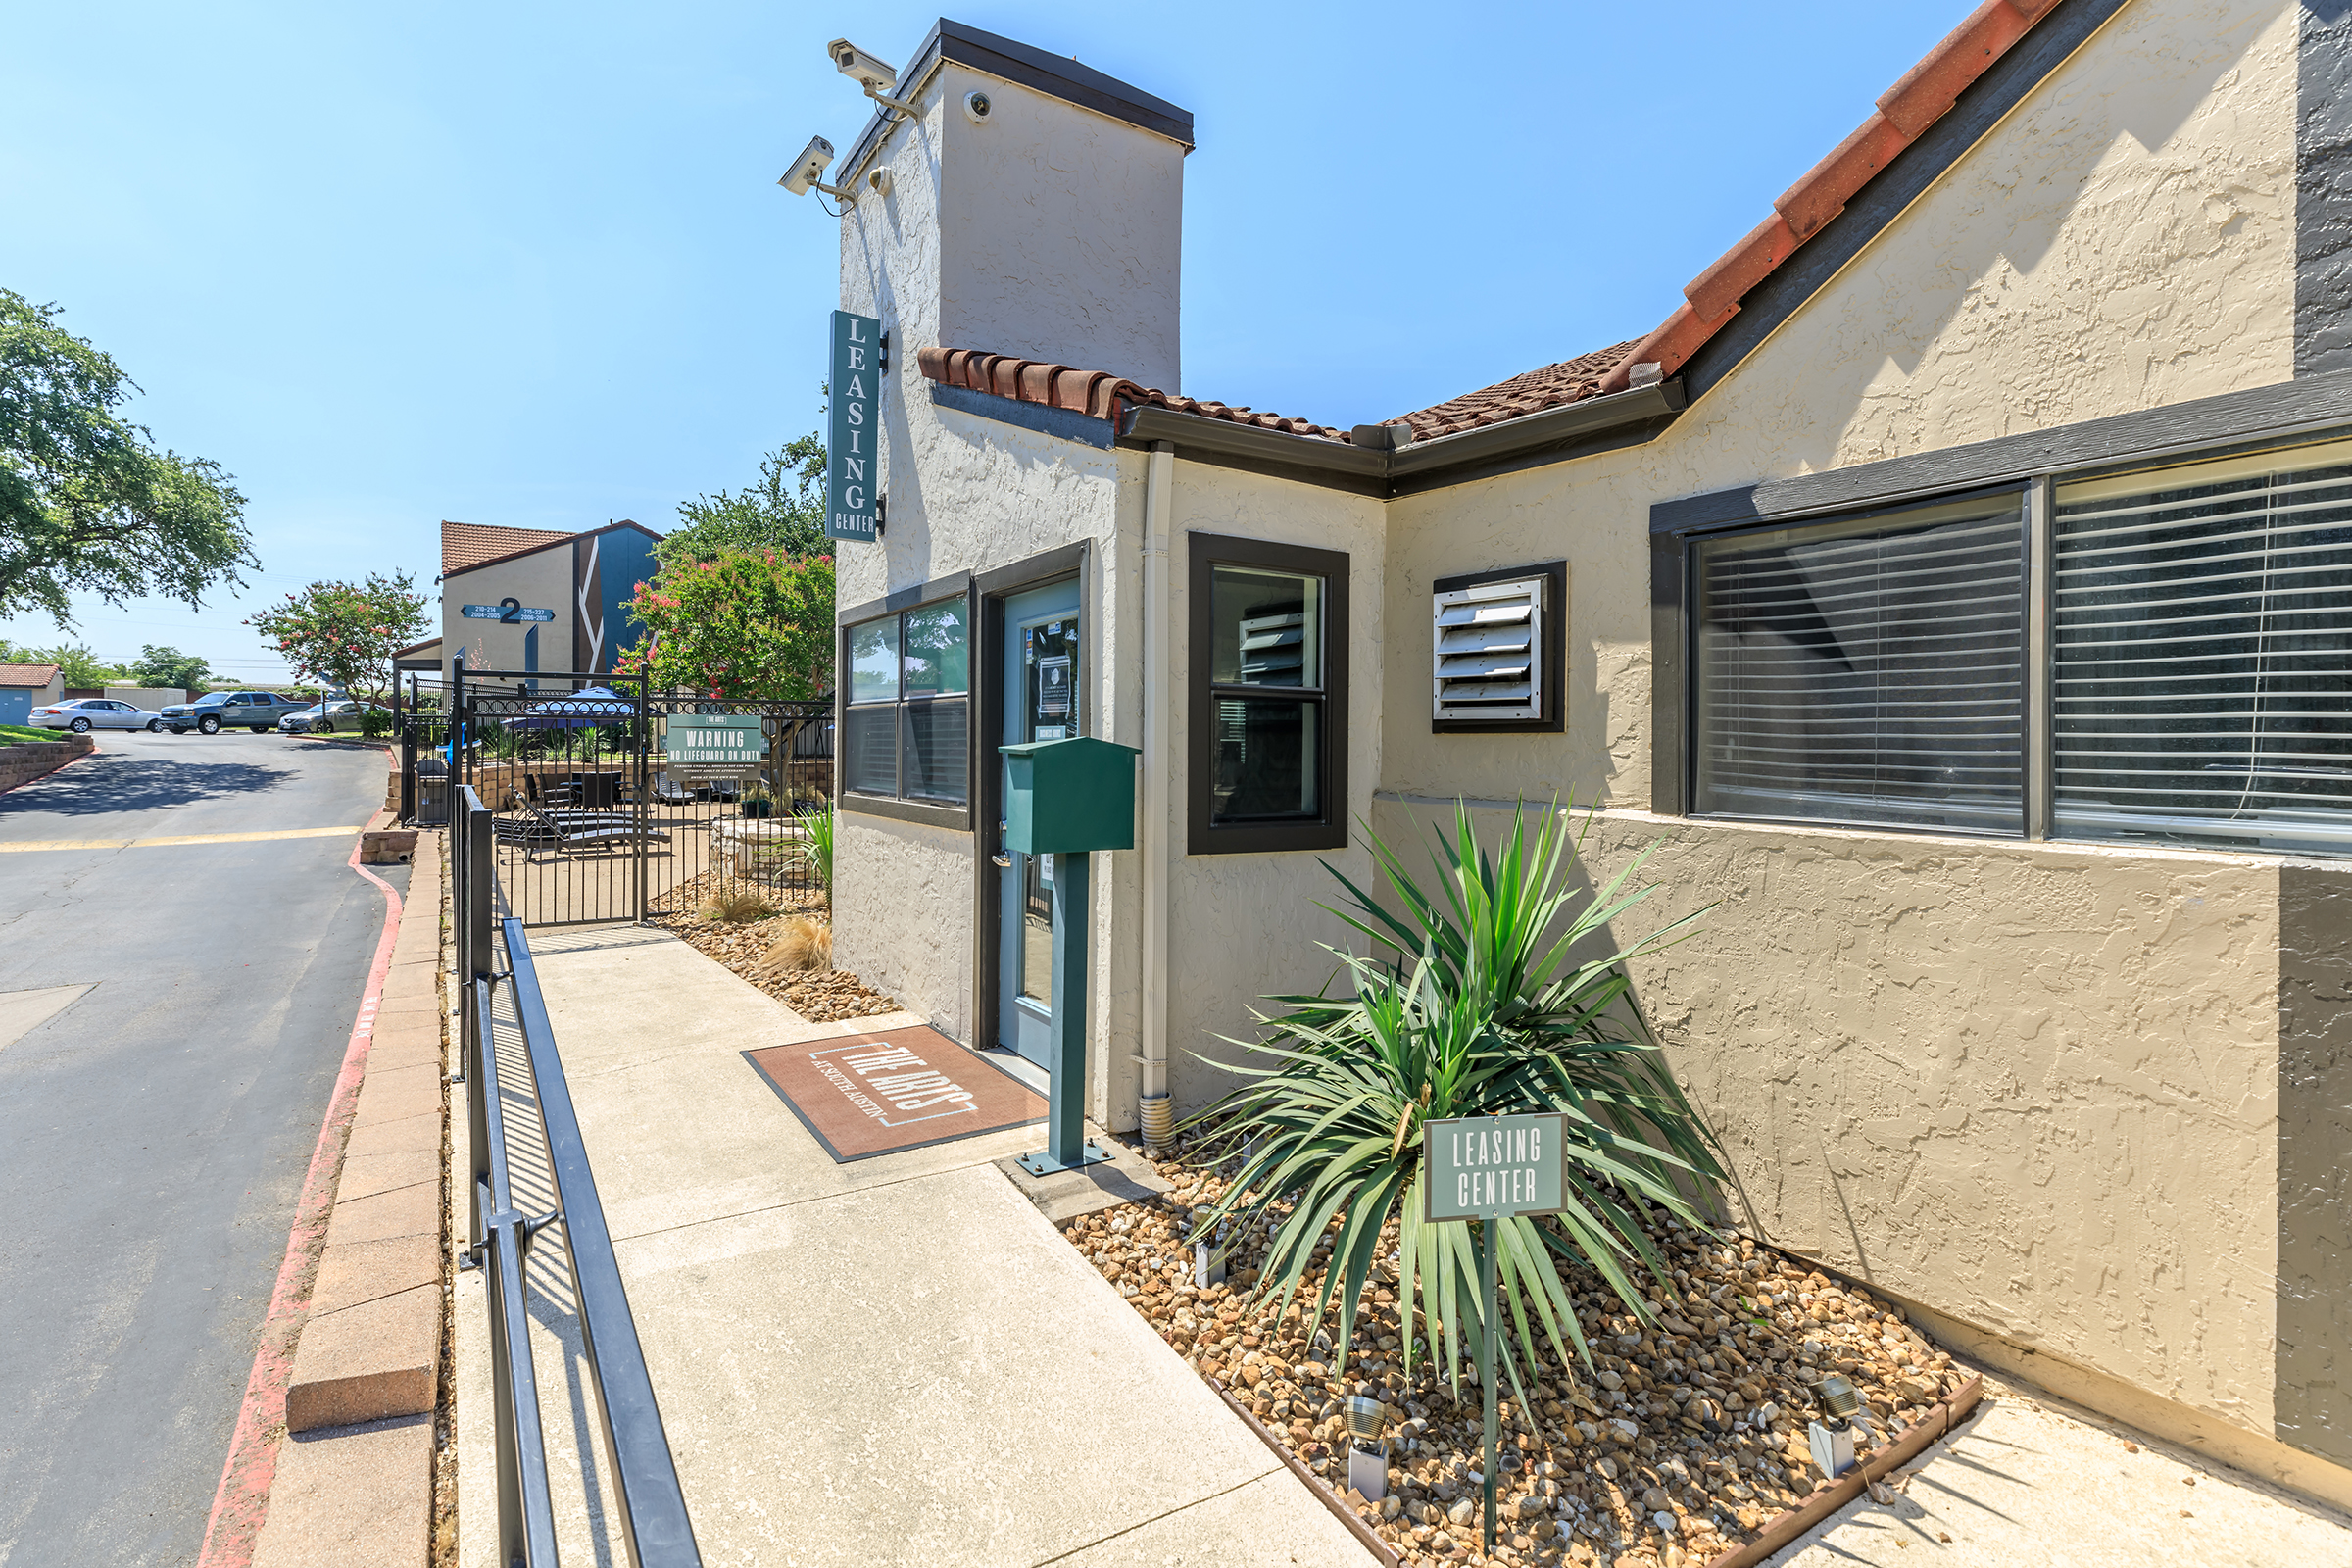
906, 720
1867, 671
1270, 697
2201, 622
2190, 678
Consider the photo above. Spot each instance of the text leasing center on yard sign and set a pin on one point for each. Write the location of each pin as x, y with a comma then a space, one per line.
854, 387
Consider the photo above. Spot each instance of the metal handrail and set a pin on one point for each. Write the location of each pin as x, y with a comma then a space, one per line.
653, 1505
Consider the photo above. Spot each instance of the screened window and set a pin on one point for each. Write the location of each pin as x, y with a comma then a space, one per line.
906, 728
1270, 695
1869, 671
2201, 624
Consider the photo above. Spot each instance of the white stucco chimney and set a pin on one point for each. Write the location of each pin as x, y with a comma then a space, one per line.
1035, 208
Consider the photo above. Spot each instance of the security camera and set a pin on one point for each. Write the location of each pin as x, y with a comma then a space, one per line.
809, 171
855, 63
976, 106
871, 74
877, 181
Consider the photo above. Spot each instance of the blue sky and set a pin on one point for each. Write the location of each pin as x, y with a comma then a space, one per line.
529, 265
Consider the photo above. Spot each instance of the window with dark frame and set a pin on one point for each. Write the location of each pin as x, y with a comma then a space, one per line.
1270, 697
1873, 670
905, 721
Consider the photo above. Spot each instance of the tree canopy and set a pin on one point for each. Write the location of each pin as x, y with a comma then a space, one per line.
785, 512
749, 623
343, 635
169, 667
87, 502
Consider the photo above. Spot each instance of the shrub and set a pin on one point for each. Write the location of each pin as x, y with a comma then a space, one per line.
737, 905
1468, 1004
805, 945
813, 852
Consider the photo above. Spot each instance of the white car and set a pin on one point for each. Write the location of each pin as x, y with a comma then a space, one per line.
82, 714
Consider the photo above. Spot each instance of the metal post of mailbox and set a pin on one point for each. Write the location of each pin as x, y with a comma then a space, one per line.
1066, 1145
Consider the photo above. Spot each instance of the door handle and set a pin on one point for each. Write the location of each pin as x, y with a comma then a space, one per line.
1001, 861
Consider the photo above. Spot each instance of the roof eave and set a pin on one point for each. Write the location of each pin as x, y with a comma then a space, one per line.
1555, 435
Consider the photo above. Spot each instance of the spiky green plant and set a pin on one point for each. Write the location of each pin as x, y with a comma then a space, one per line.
1496, 994
814, 852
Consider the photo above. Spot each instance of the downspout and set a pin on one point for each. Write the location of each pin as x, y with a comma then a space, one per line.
1159, 487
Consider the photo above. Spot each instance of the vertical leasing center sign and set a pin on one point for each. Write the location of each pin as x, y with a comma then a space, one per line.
854, 387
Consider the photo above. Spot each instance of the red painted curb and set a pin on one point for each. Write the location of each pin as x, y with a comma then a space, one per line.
242, 1502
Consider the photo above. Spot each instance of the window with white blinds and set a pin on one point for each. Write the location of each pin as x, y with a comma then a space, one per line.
2202, 644
1488, 641
1867, 671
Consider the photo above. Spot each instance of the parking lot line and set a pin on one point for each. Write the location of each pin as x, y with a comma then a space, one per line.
163, 840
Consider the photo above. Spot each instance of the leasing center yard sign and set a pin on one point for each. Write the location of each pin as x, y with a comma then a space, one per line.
854, 386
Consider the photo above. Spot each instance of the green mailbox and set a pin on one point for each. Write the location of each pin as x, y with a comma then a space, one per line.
1069, 797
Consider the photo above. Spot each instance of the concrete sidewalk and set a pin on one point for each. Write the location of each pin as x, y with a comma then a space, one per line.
2034, 1482
897, 1361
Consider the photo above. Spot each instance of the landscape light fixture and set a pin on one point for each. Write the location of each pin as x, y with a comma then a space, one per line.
1832, 1441
871, 74
1367, 1451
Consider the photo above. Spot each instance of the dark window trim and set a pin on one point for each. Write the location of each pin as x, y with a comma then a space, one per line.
1329, 832
1674, 645
989, 590
2308, 411
948, 587
1554, 653
899, 806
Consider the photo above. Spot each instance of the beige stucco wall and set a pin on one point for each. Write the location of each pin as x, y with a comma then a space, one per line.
542, 580
2032, 1087
1244, 926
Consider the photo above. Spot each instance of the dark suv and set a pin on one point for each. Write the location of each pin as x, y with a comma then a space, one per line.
258, 712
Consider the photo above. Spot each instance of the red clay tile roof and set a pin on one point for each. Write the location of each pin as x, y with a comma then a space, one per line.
26, 674
1904, 110
464, 544
1569, 381
1097, 394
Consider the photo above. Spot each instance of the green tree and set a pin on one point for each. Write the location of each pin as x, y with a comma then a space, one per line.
343, 635
77, 666
169, 667
785, 512
87, 502
751, 623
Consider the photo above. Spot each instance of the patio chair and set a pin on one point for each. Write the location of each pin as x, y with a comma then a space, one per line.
572, 831
670, 793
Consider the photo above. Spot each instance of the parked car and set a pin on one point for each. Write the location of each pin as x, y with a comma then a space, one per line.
326, 718
258, 712
82, 714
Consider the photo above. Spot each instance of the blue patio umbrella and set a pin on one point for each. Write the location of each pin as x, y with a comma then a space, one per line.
584, 709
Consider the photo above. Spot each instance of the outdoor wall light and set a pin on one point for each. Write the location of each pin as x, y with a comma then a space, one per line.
1367, 1451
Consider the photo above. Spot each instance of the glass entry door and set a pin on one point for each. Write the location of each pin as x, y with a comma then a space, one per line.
1040, 671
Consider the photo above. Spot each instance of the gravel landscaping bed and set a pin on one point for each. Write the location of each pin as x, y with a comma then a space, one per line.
821, 995
1682, 1443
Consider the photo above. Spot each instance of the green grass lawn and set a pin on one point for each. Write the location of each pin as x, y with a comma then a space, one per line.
9, 734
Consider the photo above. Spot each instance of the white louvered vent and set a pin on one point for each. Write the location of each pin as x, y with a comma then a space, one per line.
1488, 642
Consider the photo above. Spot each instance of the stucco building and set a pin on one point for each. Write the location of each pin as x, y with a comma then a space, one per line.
1954, 589
536, 598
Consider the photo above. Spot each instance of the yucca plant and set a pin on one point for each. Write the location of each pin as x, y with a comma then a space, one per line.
1475, 1000
813, 852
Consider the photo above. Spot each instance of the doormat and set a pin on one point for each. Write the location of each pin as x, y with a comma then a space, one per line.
875, 1094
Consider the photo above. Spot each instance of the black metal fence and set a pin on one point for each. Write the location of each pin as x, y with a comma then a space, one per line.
652, 1511
591, 823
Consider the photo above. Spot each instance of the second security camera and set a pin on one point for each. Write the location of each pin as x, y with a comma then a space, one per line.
809, 169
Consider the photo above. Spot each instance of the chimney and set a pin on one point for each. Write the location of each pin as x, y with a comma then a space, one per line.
1035, 207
